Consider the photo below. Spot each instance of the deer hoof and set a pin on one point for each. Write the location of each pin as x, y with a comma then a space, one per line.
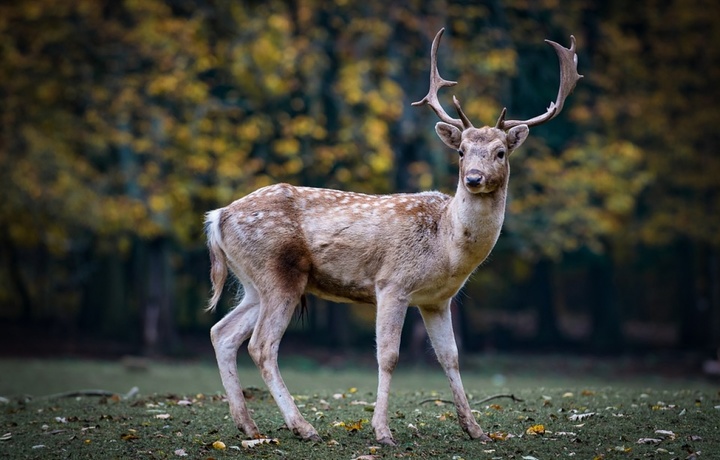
251, 431
387, 441
483, 438
312, 437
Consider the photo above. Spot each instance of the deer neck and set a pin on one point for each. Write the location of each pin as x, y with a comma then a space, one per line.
473, 223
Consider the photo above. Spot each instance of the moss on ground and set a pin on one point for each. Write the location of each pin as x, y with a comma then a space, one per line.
581, 422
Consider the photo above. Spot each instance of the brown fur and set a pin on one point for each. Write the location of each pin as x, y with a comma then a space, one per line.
283, 242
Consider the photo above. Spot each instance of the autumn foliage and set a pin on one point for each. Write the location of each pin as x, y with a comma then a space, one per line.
123, 122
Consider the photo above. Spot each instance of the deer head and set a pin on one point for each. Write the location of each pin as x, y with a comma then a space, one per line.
484, 151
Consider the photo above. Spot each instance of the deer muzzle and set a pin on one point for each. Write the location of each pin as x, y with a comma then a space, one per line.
474, 179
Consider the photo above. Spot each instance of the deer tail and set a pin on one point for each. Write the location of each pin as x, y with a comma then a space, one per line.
218, 261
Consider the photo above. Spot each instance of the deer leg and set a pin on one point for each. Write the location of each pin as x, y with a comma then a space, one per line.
388, 327
227, 336
438, 323
275, 316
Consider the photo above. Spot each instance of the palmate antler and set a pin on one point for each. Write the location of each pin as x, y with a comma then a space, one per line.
568, 79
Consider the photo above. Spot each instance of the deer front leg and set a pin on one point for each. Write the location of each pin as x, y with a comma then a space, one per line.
390, 316
227, 336
438, 323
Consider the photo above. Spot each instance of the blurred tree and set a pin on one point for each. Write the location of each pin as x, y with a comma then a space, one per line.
122, 122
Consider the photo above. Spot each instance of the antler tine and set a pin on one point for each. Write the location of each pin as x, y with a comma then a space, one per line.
568, 79
437, 82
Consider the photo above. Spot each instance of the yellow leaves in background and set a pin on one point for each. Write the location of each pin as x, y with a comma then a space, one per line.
586, 193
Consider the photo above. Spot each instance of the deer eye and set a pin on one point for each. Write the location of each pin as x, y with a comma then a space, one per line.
461, 153
501, 154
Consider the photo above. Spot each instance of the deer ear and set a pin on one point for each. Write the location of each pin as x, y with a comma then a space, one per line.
516, 136
449, 134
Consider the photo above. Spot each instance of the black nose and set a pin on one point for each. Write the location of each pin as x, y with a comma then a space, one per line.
474, 178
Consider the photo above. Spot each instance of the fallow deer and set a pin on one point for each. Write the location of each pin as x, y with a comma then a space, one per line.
393, 251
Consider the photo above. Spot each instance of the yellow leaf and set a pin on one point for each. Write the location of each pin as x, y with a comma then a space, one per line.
353, 427
219, 445
535, 430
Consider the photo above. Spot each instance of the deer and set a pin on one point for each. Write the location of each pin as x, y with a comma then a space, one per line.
392, 251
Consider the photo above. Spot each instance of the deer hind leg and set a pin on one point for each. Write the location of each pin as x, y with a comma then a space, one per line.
438, 322
227, 336
391, 312
275, 315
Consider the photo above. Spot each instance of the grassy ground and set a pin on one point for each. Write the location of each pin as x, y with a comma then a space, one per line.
571, 407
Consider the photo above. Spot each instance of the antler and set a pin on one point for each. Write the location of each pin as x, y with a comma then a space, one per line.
437, 82
568, 79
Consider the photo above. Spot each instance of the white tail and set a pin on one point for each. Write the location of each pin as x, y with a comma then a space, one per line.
218, 262
393, 251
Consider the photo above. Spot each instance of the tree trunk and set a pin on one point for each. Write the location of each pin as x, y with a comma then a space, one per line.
714, 276
548, 333
159, 333
604, 310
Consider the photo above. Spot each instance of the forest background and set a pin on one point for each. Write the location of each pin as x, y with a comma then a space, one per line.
123, 122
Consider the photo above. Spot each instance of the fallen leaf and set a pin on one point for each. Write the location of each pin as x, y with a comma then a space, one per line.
129, 437
498, 436
529, 457
535, 430
367, 457
649, 441
580, 417
162, 416
587, 393
256, 442
497, 407
666, 434
354, 427
6, 437
181, 453
219, 445
568, 395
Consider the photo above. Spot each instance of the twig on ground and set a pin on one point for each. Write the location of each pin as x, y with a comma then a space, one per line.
489, 398
435, 400
102, 393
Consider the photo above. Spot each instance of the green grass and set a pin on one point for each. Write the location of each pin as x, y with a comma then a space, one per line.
188, 397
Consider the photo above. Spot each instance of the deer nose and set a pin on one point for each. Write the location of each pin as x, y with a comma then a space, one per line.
474, 178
